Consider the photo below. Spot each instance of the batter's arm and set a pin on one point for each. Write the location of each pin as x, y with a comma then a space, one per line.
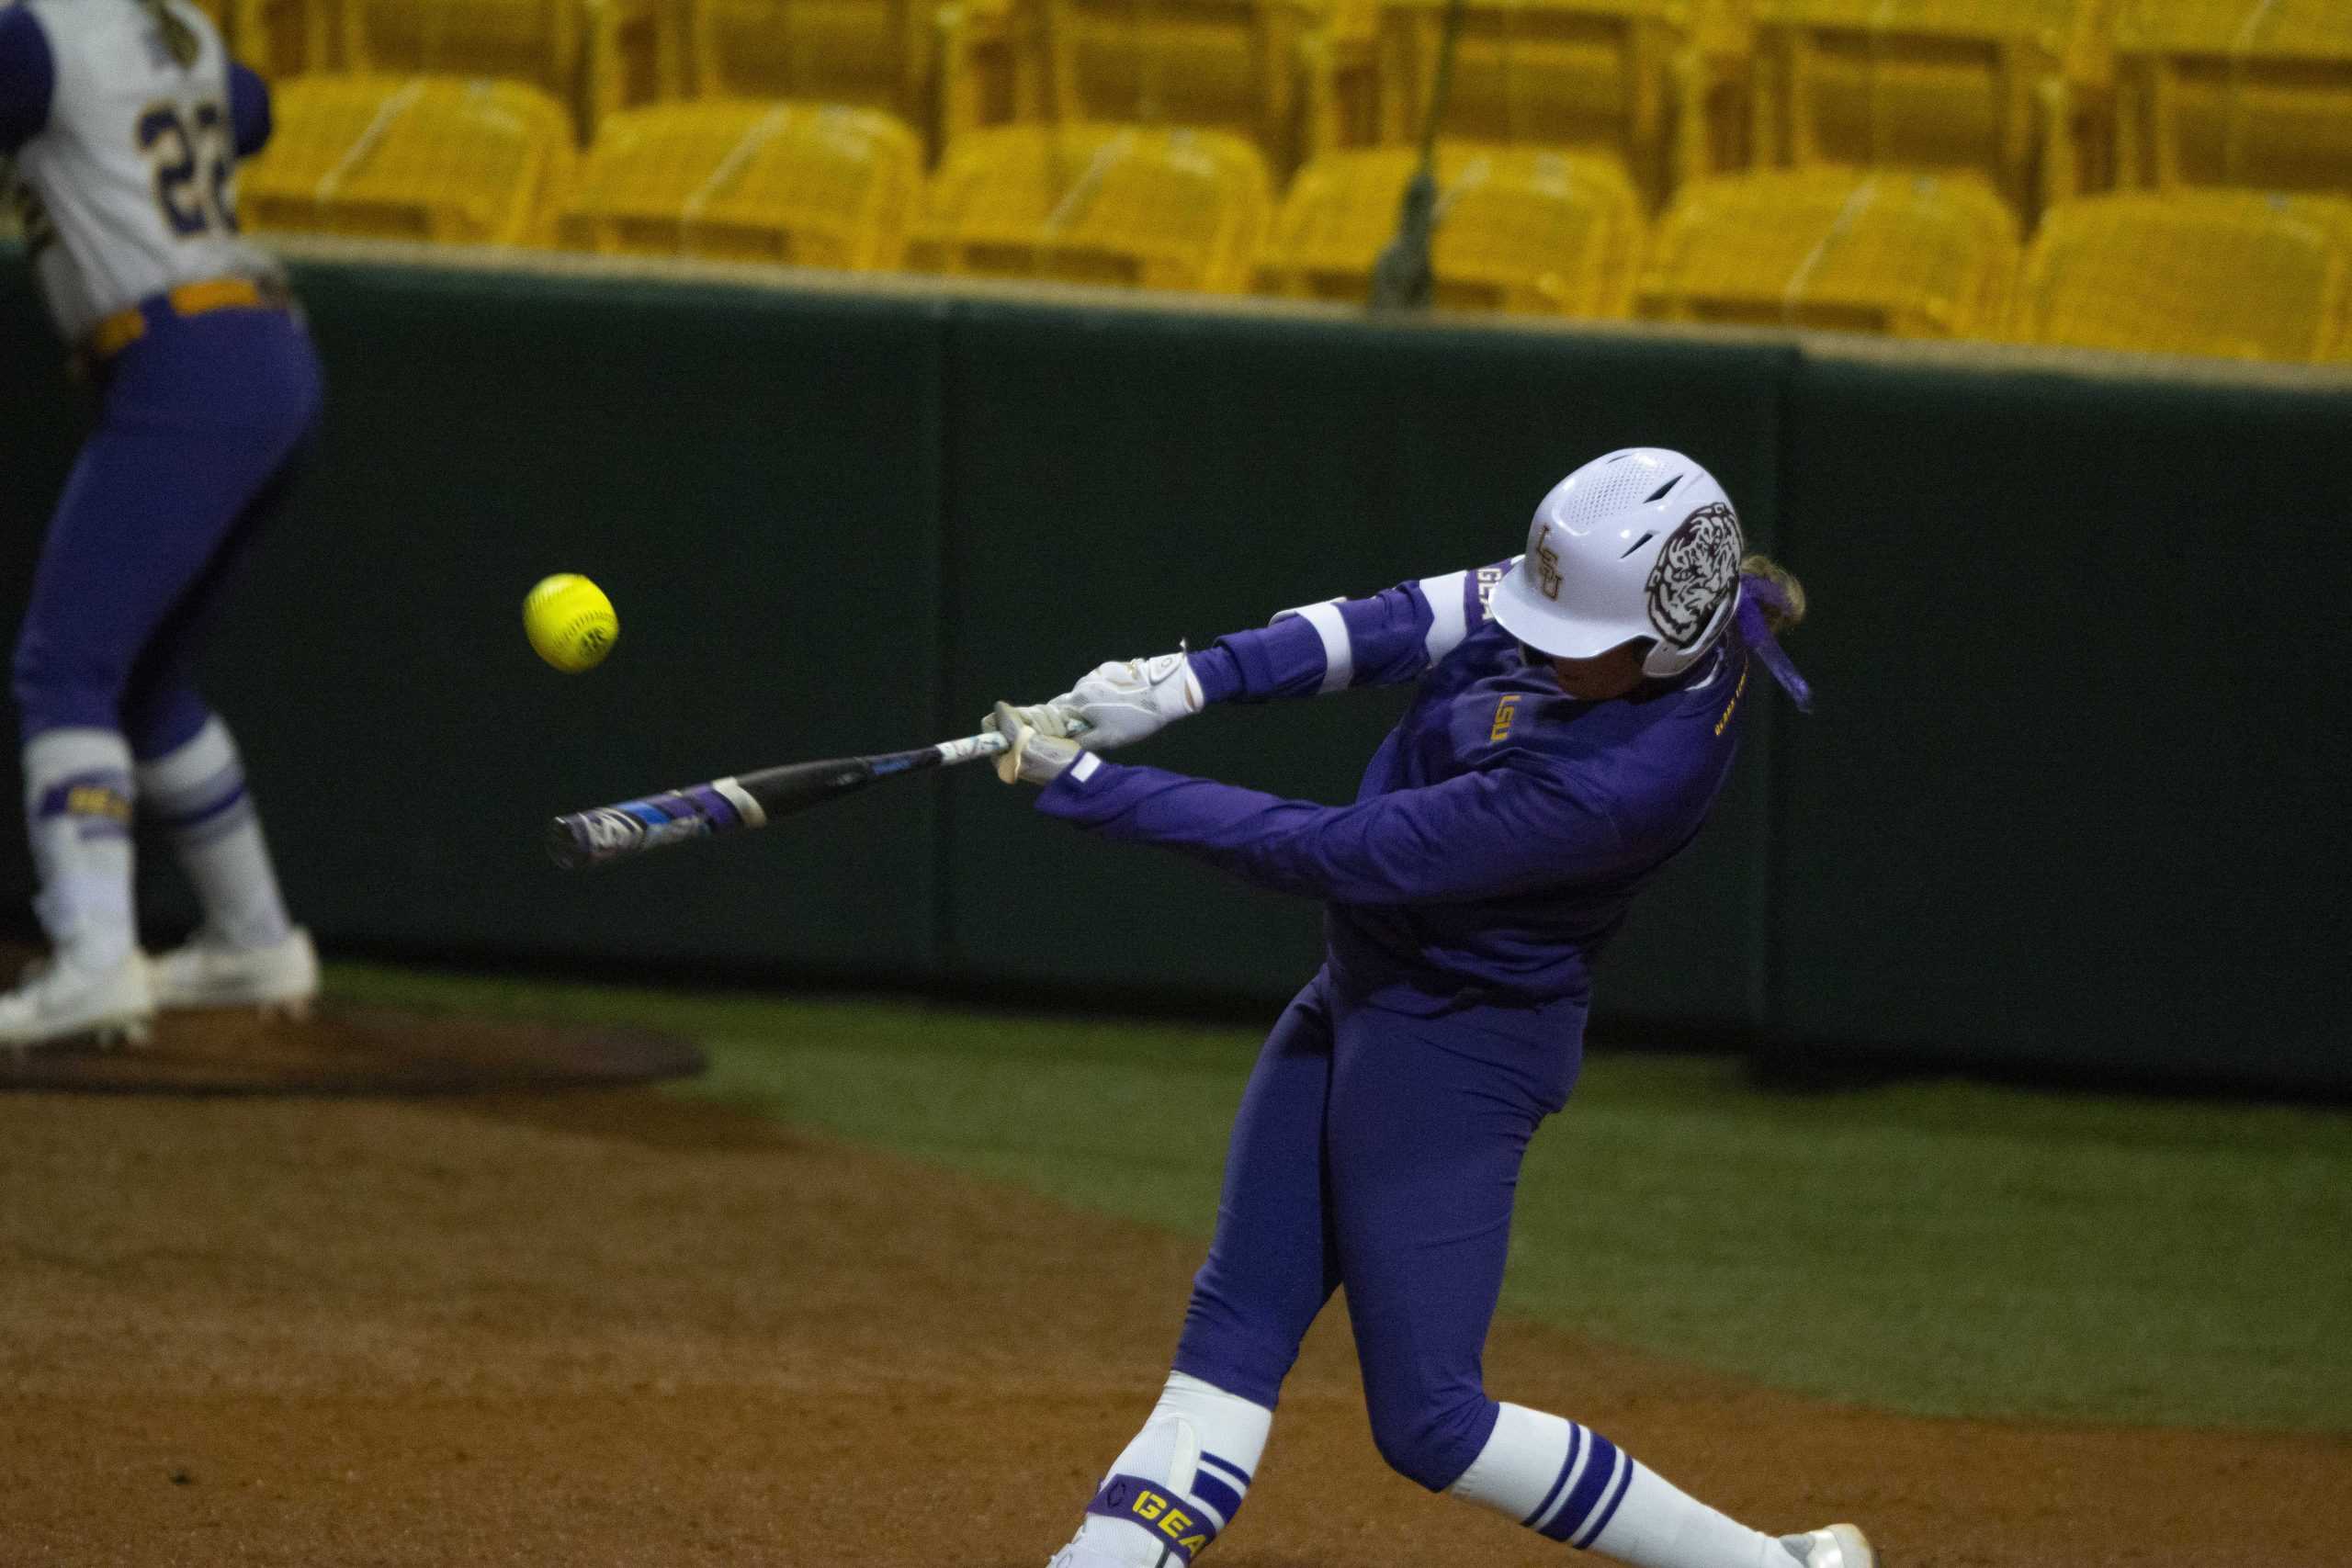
1383, 641
1508, 828
249, 108
27, 78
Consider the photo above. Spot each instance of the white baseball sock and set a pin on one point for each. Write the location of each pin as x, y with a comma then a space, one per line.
1178, 1484
1572, 1485
77, 809
198, 793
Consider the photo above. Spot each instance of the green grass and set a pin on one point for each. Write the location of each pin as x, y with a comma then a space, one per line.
1938, 1248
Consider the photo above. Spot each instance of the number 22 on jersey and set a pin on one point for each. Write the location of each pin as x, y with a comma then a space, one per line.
191, 155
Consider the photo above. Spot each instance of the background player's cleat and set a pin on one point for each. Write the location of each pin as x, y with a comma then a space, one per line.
1833, 1546
59, 1000
211, 973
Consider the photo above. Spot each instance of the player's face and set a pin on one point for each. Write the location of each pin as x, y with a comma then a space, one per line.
1605, 675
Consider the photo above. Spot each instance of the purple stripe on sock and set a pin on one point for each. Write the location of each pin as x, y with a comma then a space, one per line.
1175, 1522
1240, 1477
1576, 1436
213, 832
1610, 1510
224, 780
1211, 1489
180, 821
1599, 1471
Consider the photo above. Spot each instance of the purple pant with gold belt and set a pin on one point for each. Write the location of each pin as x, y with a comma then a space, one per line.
1380, 1151
201, 421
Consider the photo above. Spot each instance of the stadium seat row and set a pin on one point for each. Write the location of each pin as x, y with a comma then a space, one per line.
2045, 99
2240, 273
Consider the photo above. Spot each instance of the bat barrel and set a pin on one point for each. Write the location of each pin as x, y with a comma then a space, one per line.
730, 805
573, 843
615, 832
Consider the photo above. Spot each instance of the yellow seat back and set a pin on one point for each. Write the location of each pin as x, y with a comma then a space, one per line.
411, 158
1120, 205
873, 54
1589, 75
2234, 92
1991, 87
538, 41
285, 38
1911, 255
808, 185
1231, 65
2242, 275
1519, 229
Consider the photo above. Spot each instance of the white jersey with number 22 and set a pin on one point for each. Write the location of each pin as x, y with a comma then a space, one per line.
130, 190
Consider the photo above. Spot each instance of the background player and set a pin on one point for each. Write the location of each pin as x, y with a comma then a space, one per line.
124, 119
1577, 714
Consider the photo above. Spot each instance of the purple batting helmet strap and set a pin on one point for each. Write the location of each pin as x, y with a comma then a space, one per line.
1180, 1526
1757, 595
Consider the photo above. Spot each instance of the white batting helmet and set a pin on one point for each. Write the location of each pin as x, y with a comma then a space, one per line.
1641, 542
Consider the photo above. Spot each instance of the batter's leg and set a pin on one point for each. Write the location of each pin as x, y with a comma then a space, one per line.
1270, 1270
191, 782
1429, 1120
130, 534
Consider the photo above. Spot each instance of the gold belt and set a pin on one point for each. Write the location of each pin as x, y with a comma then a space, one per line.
124, 328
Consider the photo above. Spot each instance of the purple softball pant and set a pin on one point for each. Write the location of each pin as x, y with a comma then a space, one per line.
1380, 1151
201, 421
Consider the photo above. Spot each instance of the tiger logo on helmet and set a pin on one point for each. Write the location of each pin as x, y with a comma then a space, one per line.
1697, 567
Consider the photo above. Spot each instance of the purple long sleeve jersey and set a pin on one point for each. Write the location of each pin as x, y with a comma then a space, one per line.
1502, 827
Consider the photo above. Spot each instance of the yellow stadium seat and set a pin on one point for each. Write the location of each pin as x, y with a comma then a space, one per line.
1617, 76
2255, 93
2243, 275
593, 55
1519, 229
1906, 254
808, 185
941, 69
1231, 65
411, 158
285, 37
2002, 87
1106, 204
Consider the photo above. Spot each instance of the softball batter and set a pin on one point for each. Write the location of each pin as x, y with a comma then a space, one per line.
1577, 712
123, 120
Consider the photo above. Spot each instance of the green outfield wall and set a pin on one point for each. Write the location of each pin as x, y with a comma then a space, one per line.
2072, 799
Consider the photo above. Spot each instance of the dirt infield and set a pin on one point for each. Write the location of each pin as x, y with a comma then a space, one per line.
606, 1326
349, 1051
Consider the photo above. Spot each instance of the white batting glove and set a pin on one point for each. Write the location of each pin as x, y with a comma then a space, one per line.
1031, 757
1122, 703
1046, 718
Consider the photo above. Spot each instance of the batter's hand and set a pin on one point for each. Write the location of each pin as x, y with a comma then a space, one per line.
1033, 757
1126, 702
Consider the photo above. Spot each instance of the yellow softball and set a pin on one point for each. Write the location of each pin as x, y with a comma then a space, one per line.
569, 622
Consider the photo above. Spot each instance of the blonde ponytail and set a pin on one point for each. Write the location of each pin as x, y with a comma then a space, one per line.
179, 36
1781, 618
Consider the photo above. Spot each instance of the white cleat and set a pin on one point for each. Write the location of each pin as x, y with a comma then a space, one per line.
1833, 1546
59, 1000
209, 973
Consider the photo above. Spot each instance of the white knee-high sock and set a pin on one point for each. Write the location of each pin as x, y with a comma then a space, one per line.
1572, 1485
77, 809
198, 793
1178, 1484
